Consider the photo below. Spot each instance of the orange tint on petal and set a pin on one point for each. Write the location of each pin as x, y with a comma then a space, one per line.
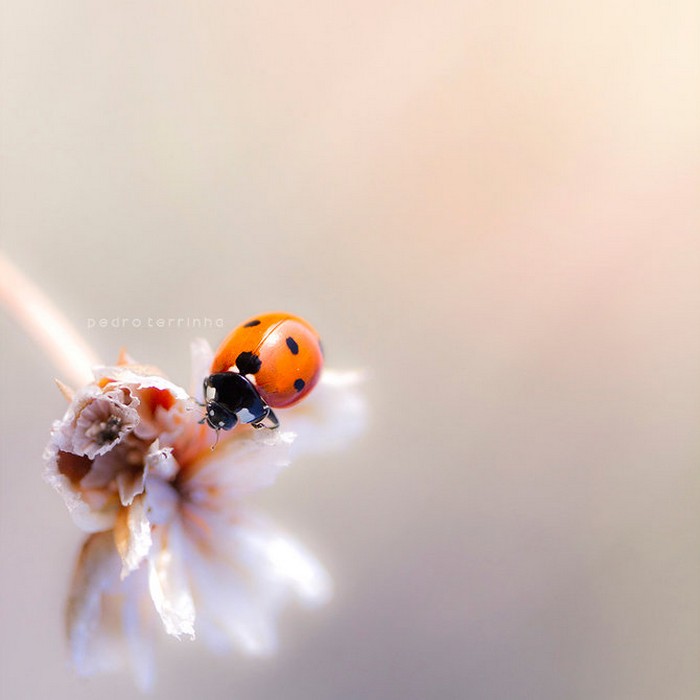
192, 518
75, 467
153, 398
121, 532
124, 359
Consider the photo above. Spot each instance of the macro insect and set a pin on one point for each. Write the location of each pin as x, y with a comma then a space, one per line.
270, 361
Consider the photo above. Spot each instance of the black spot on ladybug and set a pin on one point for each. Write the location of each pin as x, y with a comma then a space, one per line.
292, 345
248, 363
299, 384
250, 324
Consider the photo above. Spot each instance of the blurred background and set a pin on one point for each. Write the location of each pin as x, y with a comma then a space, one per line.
492, 207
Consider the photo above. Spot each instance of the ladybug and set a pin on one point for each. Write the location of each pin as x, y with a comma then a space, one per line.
271, 361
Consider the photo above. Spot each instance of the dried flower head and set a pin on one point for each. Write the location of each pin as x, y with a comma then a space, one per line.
172, 540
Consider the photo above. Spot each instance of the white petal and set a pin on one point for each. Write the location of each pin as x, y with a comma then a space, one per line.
126, 376
130, 484
160, 462
242, 579
334, 414
166, 424
246, 463
62, 430
132, 533
161, 501
228, 609
139, 630
283, 562
290, 563
103, 470
104, 612
168, 584
92, 639
85, 517
254, 462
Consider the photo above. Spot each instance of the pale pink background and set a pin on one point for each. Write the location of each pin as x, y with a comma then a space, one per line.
490, 206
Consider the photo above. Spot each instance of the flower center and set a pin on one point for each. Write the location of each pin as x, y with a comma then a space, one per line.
105, 431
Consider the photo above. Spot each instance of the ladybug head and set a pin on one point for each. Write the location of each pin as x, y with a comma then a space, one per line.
219, 417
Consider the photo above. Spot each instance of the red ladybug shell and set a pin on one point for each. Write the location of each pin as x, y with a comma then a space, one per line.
290, 354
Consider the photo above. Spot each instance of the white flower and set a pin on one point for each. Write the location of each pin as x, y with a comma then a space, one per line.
173, 541
101, 450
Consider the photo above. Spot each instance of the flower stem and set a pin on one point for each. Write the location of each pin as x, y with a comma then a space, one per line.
46, 325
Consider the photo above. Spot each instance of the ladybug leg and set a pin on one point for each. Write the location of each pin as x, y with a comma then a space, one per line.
272, 418
269, 421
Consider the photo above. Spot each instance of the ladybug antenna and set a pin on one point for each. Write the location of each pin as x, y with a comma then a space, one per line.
213, 447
